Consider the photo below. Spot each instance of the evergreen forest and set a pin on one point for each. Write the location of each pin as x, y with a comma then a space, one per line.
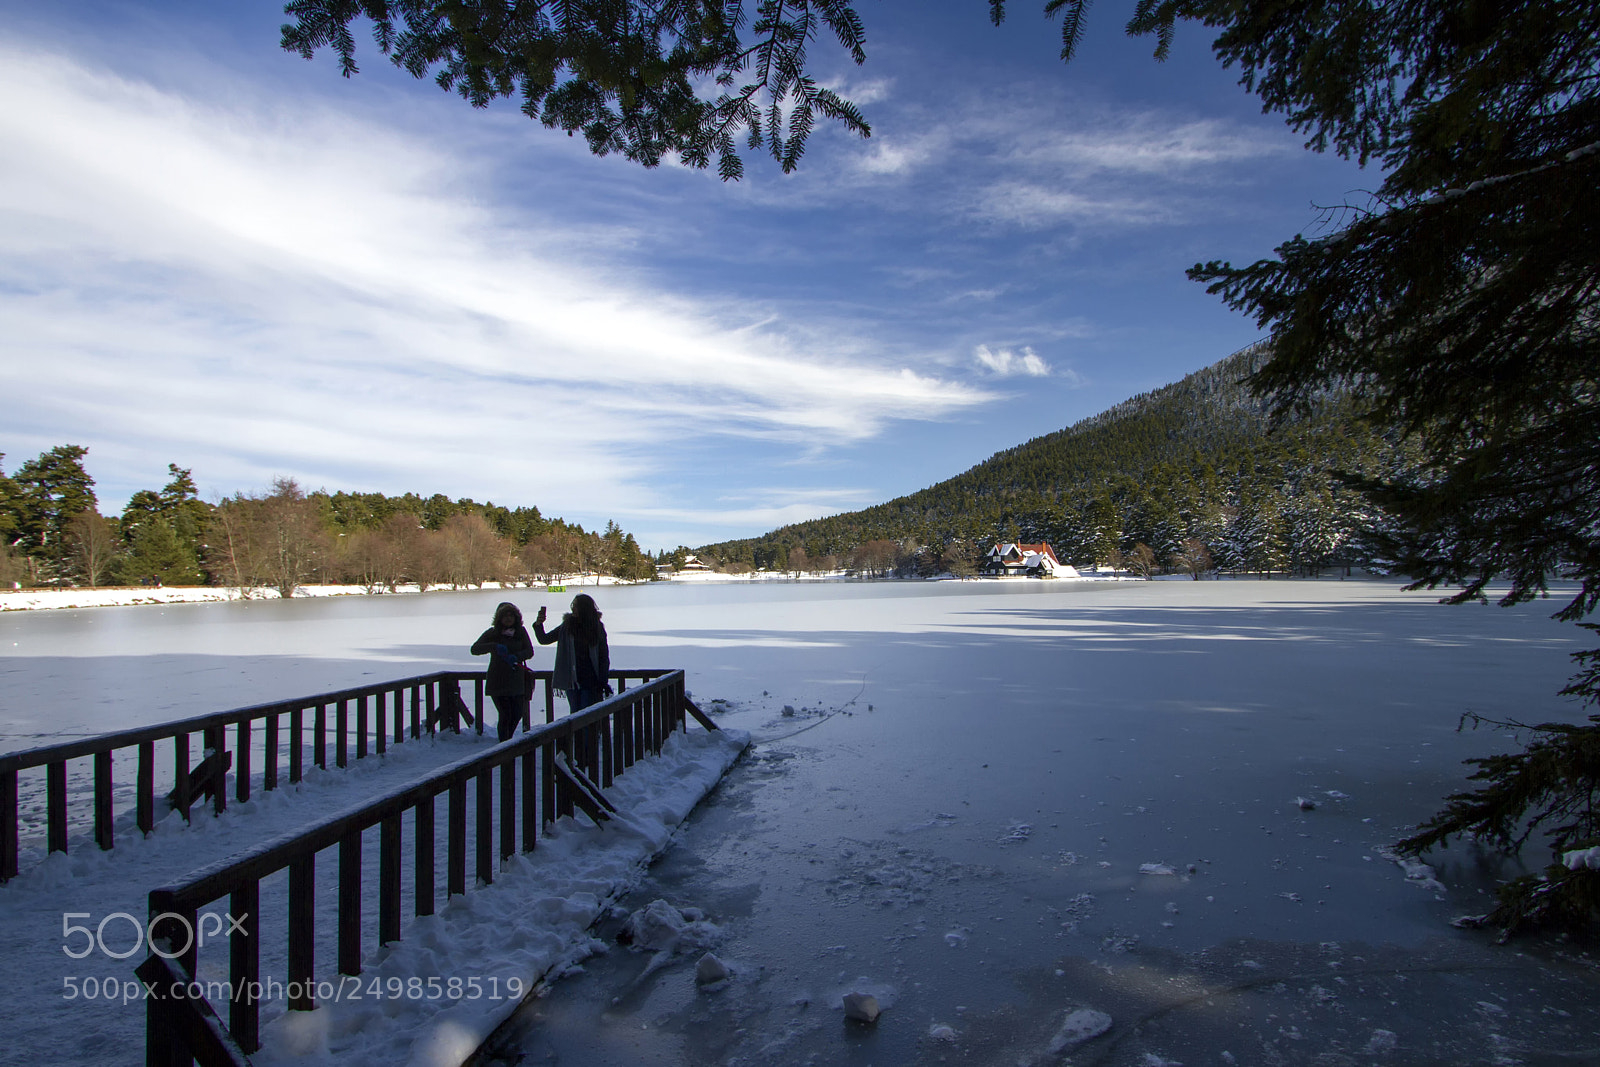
1193, 477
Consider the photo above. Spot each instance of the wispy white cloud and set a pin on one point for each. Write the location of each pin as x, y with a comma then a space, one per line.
1033, 156
1010, 363
280, 287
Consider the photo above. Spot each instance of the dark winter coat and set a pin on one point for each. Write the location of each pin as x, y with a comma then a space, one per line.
505, 669
576, 668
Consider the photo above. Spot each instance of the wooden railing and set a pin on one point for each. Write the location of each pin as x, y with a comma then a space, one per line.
560, 764
356, 722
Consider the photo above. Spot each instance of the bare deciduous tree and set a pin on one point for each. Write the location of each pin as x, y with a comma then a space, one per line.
474, 552
92, 544
1193, 558
1142, 560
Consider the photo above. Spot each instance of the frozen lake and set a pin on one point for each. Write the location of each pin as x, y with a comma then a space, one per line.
974, 807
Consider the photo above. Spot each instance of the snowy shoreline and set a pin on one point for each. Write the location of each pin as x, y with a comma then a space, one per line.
125, 596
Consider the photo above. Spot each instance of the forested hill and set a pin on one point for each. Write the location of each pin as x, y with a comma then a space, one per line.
1187, 471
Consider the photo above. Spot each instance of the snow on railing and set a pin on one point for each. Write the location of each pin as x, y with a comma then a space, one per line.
562, 764
363, 720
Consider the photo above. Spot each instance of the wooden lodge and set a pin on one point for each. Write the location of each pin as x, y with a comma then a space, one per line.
1018, 560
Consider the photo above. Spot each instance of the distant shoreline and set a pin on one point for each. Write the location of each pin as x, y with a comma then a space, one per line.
127, 596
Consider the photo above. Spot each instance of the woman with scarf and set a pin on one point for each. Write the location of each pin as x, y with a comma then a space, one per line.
583, 659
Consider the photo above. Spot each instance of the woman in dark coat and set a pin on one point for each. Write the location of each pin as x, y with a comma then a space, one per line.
507, 644
583, 659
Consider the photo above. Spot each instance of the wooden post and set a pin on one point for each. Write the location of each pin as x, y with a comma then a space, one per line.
144, 802
530, 802
341, 734
456, 841
484, 834
269, 754
296, 742
416, 711
424, 857
549, 703
56, 805
165, 1042
624, 719
241, 787
319, 740
102, 800
350, 903
607, 749
380, 711
177, 927
547, 772
361, 726
477, 701
216, 739
508, 809
563, 746
432, 706
10, 843
244, 965
389, 880
180, 769
302, 931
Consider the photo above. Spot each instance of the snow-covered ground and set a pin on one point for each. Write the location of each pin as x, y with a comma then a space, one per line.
1011, 812
124, 596
71, 923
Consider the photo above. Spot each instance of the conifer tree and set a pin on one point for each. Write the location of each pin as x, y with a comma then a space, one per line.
1464, 303
52, 489
624, 73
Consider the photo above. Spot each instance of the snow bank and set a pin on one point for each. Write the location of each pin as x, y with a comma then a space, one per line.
33, 599
1582, 858
484, 949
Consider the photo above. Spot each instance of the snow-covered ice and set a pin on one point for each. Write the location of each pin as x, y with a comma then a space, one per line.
1123, 724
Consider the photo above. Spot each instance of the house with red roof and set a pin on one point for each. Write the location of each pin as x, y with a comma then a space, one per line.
1017, 559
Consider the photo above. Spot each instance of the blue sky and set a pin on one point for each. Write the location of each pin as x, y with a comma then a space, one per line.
215, 254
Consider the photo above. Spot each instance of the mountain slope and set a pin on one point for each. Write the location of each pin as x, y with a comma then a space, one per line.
1197, 461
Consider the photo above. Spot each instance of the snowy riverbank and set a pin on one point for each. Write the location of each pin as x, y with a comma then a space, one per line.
124, 596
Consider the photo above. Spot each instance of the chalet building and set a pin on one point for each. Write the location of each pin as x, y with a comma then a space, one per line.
1026, 561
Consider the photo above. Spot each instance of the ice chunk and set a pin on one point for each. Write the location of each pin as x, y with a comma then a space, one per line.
1382, 1041
710, 970
863, 1007
1417, 872
655, 926
1156, 868
660, 927
1079, 1026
